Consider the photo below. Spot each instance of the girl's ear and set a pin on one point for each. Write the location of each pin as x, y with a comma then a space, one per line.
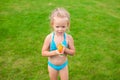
68, 24
51, 23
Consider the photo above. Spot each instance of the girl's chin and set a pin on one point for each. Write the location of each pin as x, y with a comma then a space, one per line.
60, 32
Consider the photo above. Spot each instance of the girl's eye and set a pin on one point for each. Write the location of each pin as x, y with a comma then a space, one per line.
57, 26
63, 26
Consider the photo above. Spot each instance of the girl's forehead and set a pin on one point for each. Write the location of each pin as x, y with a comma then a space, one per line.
60, 20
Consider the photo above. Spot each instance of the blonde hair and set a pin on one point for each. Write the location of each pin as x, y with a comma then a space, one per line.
60, 12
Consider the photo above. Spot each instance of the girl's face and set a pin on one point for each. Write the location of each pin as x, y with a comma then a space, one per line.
60, 24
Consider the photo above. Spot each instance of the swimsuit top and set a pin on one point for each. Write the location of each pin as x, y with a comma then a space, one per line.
53, 46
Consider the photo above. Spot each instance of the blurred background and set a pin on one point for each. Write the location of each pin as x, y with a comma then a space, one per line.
95, 27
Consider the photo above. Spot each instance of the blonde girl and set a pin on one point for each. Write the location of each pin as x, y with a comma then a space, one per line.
57, 61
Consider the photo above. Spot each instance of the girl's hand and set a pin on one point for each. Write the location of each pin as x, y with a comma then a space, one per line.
61, 48
60, 54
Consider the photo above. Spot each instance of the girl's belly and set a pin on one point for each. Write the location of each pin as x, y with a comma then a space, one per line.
57, 60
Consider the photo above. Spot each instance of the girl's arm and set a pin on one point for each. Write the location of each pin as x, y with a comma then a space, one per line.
45, 48
71, 49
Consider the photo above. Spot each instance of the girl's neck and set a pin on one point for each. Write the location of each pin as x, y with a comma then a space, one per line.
59, 34
59, 37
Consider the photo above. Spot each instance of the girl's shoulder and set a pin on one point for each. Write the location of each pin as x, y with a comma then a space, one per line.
49, 37
69, 37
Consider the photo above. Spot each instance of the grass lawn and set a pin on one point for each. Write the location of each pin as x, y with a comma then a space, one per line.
95, 27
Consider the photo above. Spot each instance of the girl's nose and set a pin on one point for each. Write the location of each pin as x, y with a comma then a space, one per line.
60, 28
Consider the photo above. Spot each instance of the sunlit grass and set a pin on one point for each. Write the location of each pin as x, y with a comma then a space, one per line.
94, 27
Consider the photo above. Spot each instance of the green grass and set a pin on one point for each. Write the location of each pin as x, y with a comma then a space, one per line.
95, 27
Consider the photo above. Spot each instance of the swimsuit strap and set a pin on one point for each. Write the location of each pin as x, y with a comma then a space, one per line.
64, 36
53, 46
53, 34
64, 41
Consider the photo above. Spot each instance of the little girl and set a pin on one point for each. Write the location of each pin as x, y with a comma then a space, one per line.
57, 61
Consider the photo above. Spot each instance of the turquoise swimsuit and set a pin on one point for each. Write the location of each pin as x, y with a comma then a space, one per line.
53, 46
